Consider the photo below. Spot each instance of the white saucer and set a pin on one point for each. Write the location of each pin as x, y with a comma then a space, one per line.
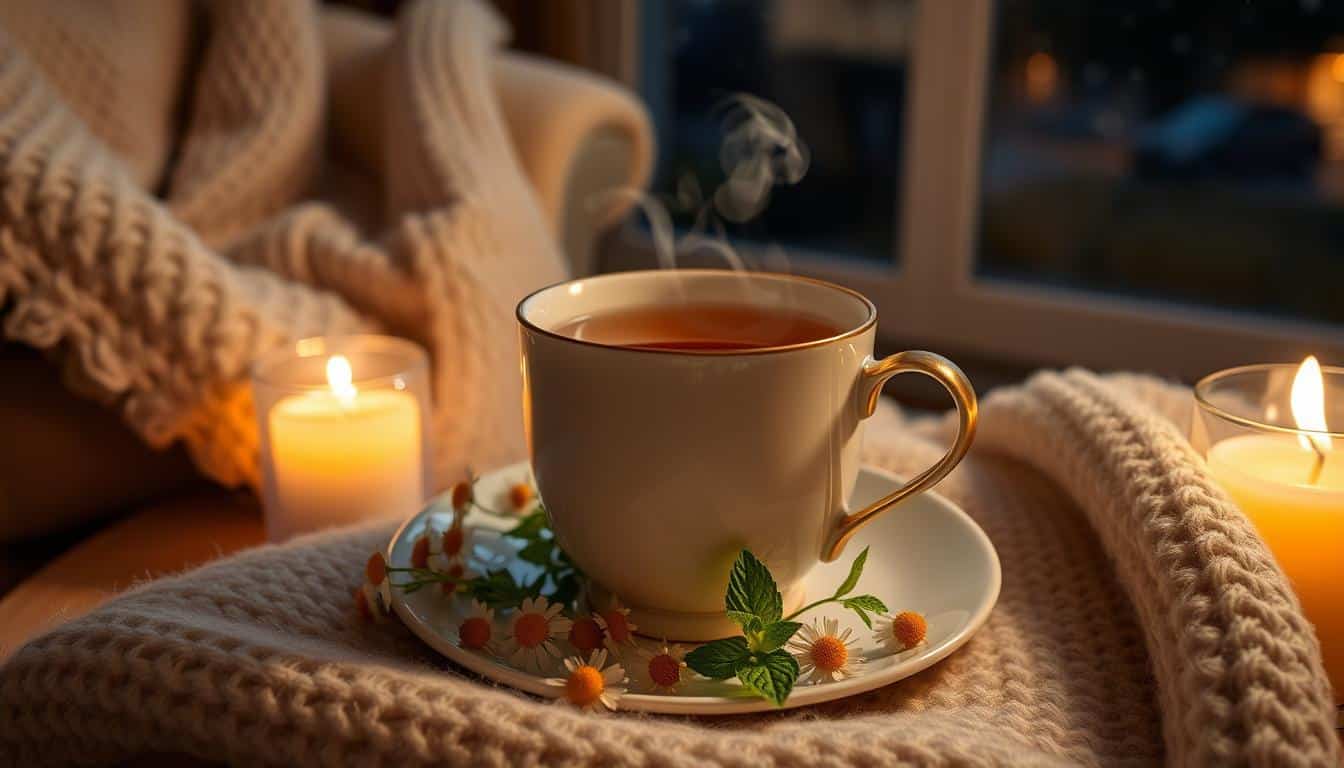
926, 555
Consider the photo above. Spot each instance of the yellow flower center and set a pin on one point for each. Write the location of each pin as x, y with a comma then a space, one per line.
375, 570
829, 653
664, 670
585, 634
519, 495
452, 541
585, 686
474, 632
617, 626
420, 553
531, 630
909, 628
462, 495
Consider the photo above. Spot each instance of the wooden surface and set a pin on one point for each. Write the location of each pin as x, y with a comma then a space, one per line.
164, 538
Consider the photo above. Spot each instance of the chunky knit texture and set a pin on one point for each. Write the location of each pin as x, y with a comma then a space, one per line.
158, 305
1141, 619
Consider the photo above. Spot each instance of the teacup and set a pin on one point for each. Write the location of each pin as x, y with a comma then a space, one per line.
657, 466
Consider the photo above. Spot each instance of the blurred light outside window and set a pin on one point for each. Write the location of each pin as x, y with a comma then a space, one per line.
1192, 152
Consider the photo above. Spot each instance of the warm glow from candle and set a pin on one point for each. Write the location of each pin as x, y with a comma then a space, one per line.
340, 378
1308, 400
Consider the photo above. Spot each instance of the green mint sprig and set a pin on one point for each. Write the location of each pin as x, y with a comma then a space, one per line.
541, 549
757, 657
860, 604
560, 580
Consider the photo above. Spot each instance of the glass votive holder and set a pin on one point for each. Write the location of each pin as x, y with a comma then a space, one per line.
344, 425
1288, 480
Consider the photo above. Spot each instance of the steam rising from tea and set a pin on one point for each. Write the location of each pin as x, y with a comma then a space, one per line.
761, 149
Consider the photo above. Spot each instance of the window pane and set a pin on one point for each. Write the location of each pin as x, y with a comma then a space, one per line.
837, 68
1188, 151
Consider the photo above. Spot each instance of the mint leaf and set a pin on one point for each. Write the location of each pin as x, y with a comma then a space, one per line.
752, 590
865, 602
771, 676
537, 551
497, 589
747, 621
529, 527
566, 587
855, 571
862, 604
774, 636
720, 659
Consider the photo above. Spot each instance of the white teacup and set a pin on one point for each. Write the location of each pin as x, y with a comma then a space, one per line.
658, 466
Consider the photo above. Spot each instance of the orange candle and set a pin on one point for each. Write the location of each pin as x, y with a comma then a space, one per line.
1291, 486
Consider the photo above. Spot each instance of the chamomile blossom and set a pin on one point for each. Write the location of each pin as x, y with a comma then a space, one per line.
373, 599
530, 633
477, 630
448, 547
900, 632
591, 684
420, 550
520, 496
824, 653
586, 634
462, 496
614, 621
664, 666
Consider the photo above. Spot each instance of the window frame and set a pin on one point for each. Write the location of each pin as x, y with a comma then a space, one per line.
930, 292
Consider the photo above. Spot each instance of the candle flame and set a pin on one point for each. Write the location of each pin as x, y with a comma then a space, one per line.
340, 378
1308, 400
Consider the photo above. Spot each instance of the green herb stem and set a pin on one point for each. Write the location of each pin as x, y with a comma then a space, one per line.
810, 606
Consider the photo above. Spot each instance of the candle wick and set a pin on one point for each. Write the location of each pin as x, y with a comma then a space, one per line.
1318, 465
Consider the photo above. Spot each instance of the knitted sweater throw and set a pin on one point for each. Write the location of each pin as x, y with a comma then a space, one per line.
158, 229
1141, 620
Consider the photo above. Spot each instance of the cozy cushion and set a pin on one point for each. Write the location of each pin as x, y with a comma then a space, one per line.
159, 307
160, 332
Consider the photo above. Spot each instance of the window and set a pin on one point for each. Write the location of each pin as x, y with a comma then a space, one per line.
1149, 185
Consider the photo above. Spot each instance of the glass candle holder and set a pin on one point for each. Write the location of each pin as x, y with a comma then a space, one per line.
1289, 480
344, 424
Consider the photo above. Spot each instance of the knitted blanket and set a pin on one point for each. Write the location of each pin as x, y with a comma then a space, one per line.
160, 225
1141, 620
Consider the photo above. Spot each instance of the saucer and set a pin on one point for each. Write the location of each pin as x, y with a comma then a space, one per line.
926, 555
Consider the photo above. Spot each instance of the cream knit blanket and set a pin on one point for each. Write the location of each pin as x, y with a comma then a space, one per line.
1141, 620
155, 262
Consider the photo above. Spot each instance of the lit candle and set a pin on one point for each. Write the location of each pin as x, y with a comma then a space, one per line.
341, 454
1292, 487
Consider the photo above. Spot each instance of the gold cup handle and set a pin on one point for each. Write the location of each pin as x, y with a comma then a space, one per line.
875, 374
